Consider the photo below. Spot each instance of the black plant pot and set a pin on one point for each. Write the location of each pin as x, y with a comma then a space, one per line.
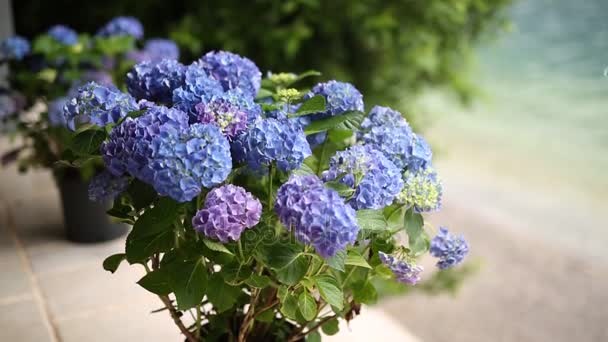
85, 221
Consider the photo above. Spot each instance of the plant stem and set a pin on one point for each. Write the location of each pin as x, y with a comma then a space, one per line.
244, 330
295, 337
270, 175
198, 322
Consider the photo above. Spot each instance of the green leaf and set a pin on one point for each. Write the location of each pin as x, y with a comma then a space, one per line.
314, 336
267, 316
188, 280
348, 120
364, 292
264, 93
337, 261
258, 281
112, 262
87, 142
394, 215
294, 271
279, 255
418, 240
330, 290
306, 74
156, 282
289, 306
341, 188
339, 135
313, 105
153, 231
235, 272
308, 306
355, 259
142, 194
331, 327
353, 122
371, 219
304, 170
220, 294
216, 246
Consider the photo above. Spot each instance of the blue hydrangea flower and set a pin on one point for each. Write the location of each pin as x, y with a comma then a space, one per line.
129, 146
450, 249
7, 106
375, 179
63, 34
271, 140
197, 87
228, 117
15, 47
155, 81
158, 49
55, 111
97, 76
228, 211
122, 26
340, 97
244, 102
317, 215
233, 71
98, 105
184, 161
383, 116
105, 187
421, 154
422, 190
405, 271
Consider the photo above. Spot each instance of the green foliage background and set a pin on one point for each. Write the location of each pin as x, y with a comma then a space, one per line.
391, 50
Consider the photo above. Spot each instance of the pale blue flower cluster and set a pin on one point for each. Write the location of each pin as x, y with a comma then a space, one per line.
273, 141
375, 179
105, 187
405, 271
422, 190
155, 81
227, 212
450, 249
197, 87
340, 97
233, 71
98, 105
15, 47
122, 26
317, 215
63, 34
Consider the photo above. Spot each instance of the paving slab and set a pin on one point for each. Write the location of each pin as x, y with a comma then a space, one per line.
21, 321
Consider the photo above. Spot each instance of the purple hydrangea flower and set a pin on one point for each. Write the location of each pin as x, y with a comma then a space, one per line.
122, 26
233, 71
63, 34
197, 87
422, 190
271, 140
128, 148
340, 97
375, 179
15, 47
228, 117
405, 272
227, 212
155, 50
98, 105
450, 249
55, 111
317, 215
155, 81
105, 186
184, 161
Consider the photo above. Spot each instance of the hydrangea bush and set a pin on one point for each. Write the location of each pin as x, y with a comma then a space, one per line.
245, 228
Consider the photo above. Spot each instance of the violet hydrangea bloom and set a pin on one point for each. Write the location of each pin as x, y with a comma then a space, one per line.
405, 272
98, 105
228, 117
128, 149
15, 47
155, 81
122, 26
375, 179
63, 34
233, 71
340, 97
271, 140
105, 187
450, 249
197, 87
227, 212
184, 161
317, 215
422, 190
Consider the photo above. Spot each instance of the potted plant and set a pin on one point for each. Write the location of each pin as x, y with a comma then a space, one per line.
259, 211
42, 77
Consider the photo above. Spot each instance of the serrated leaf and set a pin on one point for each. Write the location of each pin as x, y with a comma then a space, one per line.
216, 246
141, 194
188, 280
87, 142
112, 262
337, 261
371, 219
364, 292
307, 305
235, 272
304, 170
341, 188
279, 255
156, 282
220, 294
330, 290
331, 327
294, 271
258, 281
418, 240
289, 306
315, 104
338, 121
353, 258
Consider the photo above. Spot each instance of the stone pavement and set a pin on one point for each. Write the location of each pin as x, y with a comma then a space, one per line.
57, 291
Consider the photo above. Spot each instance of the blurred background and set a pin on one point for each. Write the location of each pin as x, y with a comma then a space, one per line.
512, 95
